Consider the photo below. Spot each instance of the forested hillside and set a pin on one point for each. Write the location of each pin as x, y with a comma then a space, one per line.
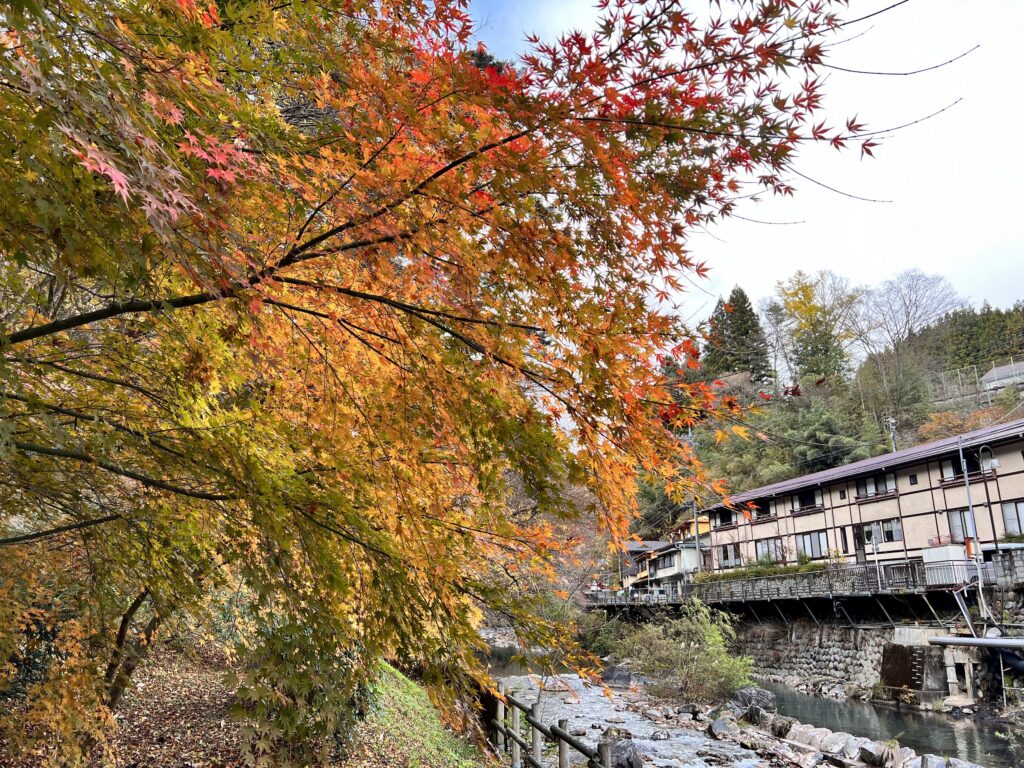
829, 373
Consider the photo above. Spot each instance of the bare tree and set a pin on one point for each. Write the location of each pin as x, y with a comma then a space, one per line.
888, 316
902, 306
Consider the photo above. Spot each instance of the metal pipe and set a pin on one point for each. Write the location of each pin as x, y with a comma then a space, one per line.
1016, 643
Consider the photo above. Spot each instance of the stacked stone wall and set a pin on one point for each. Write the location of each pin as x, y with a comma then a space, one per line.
802, 653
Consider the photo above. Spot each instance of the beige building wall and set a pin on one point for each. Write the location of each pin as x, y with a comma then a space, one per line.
920, 504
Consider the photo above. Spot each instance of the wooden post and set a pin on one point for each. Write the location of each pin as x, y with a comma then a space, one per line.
563, 747
499, 736
516, 761
535, 734
605, 751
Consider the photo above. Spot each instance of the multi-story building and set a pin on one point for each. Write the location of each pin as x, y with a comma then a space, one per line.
687, 551
894, 506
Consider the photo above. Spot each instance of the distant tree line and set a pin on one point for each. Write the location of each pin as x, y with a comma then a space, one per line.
829, 373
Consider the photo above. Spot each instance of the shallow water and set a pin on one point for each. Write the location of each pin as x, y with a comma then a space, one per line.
923, 732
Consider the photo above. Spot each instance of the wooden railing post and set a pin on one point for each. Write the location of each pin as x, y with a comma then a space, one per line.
605, 750
499, 736
516, 755
563, 747
536, 741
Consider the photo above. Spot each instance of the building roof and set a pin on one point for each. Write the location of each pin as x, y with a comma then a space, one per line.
1007, 371
886, 462
644, 546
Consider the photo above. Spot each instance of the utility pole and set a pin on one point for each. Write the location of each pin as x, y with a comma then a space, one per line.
892, 423
970, 504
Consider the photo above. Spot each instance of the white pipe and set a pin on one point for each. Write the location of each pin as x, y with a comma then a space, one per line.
1015, 643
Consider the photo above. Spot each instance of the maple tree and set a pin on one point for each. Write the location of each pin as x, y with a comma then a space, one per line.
291, 289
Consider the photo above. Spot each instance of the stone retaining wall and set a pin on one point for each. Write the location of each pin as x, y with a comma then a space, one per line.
803, 651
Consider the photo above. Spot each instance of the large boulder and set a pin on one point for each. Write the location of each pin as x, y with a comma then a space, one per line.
625, 753
752, 694
618, 676
835, 744
723, 728
781, 726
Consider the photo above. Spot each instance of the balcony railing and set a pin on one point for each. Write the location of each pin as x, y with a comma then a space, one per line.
867, 498
975, 477
891, 577
809, 510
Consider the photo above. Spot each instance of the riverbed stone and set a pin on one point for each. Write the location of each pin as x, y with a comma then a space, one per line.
723, 728
835, 743
851, 750
800, 733
874, 753
781, 726
688, 709
625, 754
753, 694
816, 736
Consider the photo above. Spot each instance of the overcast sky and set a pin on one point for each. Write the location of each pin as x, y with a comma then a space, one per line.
955, 182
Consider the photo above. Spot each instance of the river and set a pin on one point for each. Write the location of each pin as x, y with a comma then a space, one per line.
923, 732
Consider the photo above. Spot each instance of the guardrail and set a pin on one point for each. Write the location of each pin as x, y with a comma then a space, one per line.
890, 577
508, 735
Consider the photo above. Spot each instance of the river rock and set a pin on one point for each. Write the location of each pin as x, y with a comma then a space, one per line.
625, 754
851, 750
878, 754
835, 743
723, 728
661, 736
578, 732
816, 736
688, 709
781, 726
800, 733
618, 676
752, 694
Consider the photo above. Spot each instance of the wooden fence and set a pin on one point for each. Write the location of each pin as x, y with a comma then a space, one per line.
518, 730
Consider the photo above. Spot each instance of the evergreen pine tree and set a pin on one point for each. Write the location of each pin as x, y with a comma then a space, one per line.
736, 341
747, 339
717, 359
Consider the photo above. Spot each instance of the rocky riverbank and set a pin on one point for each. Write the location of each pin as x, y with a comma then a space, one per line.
745, 733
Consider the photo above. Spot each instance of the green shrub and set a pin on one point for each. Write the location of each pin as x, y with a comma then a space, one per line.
760, 569
687, 658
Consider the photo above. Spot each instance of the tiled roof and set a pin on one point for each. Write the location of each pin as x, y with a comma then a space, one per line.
644, 546
1004, 372
886, 462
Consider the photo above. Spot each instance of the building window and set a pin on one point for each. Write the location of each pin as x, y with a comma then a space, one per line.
884, 531
808, 499
769, 549
960, 525
876, 486
729, 555
814, 544
842, 540
913, 479
892, 530
1013, 517
842, 493
725, 518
